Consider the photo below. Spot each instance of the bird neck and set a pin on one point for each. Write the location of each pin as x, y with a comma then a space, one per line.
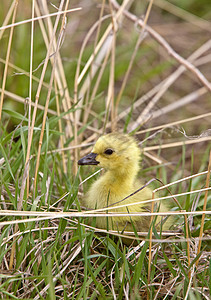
120, 178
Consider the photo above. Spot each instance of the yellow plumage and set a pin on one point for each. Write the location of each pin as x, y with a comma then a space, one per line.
119, 155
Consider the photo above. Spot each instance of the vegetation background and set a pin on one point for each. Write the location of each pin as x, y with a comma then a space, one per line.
71, 71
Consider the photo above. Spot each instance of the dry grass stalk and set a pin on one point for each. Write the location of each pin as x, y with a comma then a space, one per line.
204, 208
7, 57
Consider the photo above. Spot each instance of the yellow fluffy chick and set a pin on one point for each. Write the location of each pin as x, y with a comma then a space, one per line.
119, 155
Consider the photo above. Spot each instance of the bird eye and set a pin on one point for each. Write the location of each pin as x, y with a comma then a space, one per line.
109, 151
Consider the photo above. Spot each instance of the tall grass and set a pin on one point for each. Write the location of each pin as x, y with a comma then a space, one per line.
71, 72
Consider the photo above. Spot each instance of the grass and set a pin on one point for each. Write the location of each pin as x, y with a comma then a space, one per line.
66, 80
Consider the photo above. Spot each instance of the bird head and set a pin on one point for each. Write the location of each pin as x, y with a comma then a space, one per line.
115, 152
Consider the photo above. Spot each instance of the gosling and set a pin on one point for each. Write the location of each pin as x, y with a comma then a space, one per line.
119, 154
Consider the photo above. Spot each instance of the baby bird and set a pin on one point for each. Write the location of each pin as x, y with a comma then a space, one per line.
119, 155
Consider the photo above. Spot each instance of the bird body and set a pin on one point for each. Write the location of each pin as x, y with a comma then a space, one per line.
119, 155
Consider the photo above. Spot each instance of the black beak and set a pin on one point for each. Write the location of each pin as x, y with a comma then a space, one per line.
88, 160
